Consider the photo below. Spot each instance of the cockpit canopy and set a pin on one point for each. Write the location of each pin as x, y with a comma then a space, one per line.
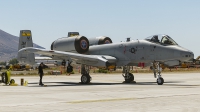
161, 39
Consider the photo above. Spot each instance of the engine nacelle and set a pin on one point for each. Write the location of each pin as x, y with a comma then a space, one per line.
74, 44
100, 40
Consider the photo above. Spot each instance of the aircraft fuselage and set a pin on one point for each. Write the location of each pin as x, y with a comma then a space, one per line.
143, 51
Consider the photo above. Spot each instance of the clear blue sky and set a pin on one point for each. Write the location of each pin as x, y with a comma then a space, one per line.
118, 19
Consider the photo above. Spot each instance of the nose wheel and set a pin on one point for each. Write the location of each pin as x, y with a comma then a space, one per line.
160, 81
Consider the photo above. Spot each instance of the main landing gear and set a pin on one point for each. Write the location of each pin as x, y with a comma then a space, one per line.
157, 73
85, 78
128, 77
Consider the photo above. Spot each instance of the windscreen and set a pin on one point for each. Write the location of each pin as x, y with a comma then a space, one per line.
168, 40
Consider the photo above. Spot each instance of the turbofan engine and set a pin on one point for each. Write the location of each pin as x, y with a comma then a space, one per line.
100, 40
74, 44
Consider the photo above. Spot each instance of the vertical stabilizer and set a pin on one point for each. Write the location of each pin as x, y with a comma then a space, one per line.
25, 40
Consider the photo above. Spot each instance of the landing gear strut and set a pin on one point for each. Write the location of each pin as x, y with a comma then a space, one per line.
85, 78
128, 77
157, 73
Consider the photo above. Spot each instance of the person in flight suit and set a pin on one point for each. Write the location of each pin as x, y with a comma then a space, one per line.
41, 73
69, 68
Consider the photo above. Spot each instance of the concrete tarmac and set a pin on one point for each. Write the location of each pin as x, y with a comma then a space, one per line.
106, 93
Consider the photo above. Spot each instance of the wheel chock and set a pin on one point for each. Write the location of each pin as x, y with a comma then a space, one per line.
26, 83
13, 84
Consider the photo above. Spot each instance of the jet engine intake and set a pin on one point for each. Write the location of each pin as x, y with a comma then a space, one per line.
100, 40
76, 44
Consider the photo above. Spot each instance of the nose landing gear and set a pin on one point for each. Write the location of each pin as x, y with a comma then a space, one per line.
157, 73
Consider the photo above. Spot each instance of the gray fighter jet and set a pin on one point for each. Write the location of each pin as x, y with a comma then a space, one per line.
156, 49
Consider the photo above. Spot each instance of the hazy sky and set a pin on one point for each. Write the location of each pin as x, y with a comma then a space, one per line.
118, 19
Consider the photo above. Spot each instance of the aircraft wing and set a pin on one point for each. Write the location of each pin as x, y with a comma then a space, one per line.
92, 60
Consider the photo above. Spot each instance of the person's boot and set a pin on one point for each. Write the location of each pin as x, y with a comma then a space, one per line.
40, 83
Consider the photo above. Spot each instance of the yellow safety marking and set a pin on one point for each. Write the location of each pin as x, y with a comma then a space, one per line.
26, 34
101, 100
72, 35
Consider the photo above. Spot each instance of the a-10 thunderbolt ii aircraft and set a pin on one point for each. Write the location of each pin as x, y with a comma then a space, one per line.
156, 49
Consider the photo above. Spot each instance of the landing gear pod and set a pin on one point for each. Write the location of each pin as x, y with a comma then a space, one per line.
74, 44
100, 40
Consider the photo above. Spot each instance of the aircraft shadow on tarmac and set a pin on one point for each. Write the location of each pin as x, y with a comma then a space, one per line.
54, 84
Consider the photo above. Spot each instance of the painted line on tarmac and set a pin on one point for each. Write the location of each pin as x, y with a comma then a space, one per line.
123, 99
101, 100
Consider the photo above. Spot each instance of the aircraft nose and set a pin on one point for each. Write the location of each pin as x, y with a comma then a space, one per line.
192, 55
189, 55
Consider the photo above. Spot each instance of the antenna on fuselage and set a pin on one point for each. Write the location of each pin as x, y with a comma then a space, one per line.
128, 39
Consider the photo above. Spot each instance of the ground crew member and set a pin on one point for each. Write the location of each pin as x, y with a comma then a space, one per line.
69, 68
40, 72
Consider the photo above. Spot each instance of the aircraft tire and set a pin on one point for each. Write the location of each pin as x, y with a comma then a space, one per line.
85, 79
130, 79
160, 81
